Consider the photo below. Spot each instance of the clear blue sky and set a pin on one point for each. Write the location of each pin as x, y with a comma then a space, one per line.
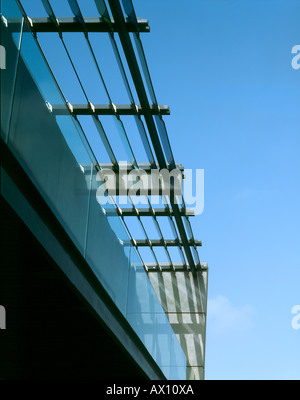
224, 68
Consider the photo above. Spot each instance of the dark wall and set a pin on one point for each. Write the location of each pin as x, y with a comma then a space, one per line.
50, 332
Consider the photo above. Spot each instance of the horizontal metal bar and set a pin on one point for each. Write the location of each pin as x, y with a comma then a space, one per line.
143, 166
164, 243
106, 109
149, 212
173, 268
133, 64
93, 25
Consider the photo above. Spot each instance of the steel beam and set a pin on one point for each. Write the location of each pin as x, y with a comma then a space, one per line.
107, 109
149, 212
142, 94
93, 25
164, 243
142, 166
173, 268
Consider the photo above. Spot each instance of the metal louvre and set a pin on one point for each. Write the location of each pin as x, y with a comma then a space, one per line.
148, 117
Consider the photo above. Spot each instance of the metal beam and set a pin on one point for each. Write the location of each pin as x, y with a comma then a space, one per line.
142, 94
173, 268
106, 109
149, 212
93, 25
143, 166
164, 243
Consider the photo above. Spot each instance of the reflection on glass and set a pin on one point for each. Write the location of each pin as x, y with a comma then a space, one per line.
123, 135
70, 132
11, 25
106, 252
151, 324
42, 144
38, 69
54, 153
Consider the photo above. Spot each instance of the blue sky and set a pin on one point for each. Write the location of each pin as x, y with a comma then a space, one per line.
224, 68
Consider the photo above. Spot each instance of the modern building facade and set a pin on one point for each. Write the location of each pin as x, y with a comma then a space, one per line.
85, 295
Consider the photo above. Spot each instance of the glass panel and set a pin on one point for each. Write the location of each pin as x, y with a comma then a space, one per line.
176, 255
166, 228
138, 138
34, 8
163, 340
161, 255
102, 9
135, 228
195, 255
38, 69
49, 10
11, 23
165, 140
53, 152
71, 133
88, 8
125, 141
143, 325
110, 61
144, 67
76, 11
147, 255
50, 149
148, 319
61, 66
151, 228
145, 140
188, 227
177, 373
116, 139
106, 250
129, 9
97, 139
121, 67
141, 295
61, 8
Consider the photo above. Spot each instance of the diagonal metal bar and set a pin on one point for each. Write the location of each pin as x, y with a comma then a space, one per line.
78, 15
130, 235
140, 88
137, 78
53, 18
134, 242
63, 109
103, 11
119, 124
158, 229
129, 9
105, 142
